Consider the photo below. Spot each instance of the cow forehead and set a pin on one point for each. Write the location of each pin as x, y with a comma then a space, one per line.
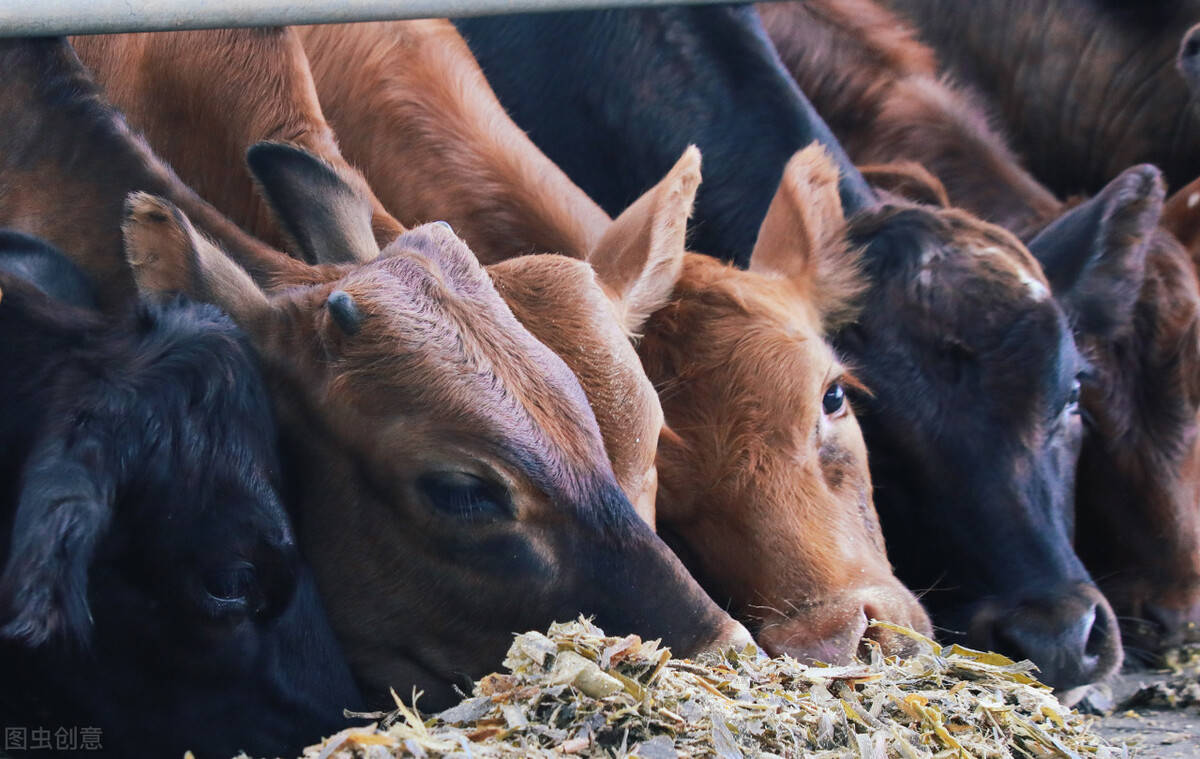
439, 342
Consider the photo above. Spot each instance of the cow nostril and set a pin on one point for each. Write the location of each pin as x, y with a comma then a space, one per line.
1097, 635
1191, 48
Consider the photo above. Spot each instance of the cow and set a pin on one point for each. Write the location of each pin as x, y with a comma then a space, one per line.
1086, 88
413, 110
201, 98
882, 93
760, 542
1138, 486
58, 109
478, 483
151, 588
960, 343
764, 485
447, 478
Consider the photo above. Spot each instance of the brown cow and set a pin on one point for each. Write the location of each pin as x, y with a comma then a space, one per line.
586, 315
881, 93
48, 101
764, 483
202, 98
386, 85
508, 508
412, 108
1139, 477
446, 469
1086, 88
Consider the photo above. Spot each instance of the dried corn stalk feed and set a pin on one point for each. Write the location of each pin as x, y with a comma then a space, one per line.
575, 691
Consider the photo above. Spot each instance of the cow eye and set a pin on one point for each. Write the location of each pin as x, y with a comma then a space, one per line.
231, 588
834, 402
464, 495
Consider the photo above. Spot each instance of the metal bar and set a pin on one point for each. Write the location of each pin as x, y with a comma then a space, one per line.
19, 18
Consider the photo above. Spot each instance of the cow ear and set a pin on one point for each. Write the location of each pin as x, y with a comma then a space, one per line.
640, 256
169, 256
908, 180
63, 511
1094, 255
326, 215
803, 239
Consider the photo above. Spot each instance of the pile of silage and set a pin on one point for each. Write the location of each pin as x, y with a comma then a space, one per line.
575, 691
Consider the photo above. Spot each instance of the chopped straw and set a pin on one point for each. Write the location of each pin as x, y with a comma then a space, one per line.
575, 691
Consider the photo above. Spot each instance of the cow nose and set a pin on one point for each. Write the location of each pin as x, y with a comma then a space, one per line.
834, 631
1071, 636
1160, 627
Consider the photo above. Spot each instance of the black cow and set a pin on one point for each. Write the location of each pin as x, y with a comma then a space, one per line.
972, 425
151, 587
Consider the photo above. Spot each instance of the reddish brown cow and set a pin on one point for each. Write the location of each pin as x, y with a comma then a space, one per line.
881, 93
764, 486
1086, 88
52, 108
412, 108
1139, 475
202, 98
438, 454
770, 561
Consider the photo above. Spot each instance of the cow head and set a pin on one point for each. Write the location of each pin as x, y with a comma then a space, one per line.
1137, 314
974, 429
453, 484
763, 483
587, 315
152, 586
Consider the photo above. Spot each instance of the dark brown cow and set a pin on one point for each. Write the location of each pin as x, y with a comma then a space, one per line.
1086, 88
446, 470
882, 94
1138, 485
202, 98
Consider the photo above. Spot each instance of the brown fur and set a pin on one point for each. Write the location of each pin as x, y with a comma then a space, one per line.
429, 383
203, 97
1085, 88
412, 108
769, 498
66, 148
880, 91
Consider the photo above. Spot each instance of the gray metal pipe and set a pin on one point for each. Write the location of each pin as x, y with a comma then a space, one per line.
19, 18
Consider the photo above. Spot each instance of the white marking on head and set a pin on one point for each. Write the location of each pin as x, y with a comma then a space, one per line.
1193, 199
1037, 290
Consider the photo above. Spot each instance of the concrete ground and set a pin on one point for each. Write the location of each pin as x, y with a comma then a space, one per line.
1153, 732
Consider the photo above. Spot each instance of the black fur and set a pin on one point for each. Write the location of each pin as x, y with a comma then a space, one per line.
138, 473
614, 97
